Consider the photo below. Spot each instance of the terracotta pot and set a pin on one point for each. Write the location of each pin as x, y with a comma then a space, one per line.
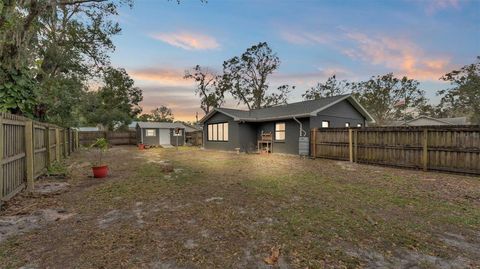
141, 146
100, 171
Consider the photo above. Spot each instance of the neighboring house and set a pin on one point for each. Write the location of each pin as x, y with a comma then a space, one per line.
88, 129
425, 121
132, 126
160, 133
193, 134
231, 129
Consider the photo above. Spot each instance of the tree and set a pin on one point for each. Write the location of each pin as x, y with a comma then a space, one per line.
48, 46
144, 117
245, 77
331, 87
211, 96
116, 103
389, 98
162, 114
464, 97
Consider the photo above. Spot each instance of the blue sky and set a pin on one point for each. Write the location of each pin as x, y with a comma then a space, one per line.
314, 39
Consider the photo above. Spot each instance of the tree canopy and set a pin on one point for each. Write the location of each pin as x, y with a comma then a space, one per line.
245, 77
464, 96
210, 95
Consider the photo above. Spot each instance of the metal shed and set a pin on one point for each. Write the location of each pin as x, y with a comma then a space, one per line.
160, 133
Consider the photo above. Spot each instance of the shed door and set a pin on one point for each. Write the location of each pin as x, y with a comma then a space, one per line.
164, 136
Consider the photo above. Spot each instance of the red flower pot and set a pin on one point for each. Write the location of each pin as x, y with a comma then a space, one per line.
141, 146
100, 171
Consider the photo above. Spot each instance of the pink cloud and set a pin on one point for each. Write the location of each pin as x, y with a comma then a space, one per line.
188, 41
398, 54
161, 76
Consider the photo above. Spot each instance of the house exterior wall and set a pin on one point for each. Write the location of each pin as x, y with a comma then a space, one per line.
292, 133
154, 140
150, 140
173, 139
338, 115
233, 133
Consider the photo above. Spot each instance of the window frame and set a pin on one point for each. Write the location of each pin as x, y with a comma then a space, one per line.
154, 132
280, 131
326, 121
213, 133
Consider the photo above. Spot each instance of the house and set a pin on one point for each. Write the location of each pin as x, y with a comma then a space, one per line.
233, 129
193, 134
160, 133
425, 121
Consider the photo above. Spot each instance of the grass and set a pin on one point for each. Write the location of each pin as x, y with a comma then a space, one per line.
233, 208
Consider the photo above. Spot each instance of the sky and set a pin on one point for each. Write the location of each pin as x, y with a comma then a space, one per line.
355, 40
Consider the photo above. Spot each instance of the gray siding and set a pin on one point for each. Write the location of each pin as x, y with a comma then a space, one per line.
292, 133
154, 140
338, 115
233, 133
150, 140
173, 139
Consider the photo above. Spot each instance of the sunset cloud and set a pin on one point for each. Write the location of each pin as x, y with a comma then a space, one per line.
188, 40
400, 55
161, 76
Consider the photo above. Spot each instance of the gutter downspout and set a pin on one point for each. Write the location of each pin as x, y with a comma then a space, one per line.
302, 132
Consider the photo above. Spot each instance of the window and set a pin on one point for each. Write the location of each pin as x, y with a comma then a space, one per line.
218, 132
347, 124
150, 132
325, 124
280, 131
359, 125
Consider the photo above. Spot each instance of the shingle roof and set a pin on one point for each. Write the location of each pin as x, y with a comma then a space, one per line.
299, 109
161, 125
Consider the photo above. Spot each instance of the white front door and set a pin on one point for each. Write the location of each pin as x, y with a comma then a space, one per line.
164, 136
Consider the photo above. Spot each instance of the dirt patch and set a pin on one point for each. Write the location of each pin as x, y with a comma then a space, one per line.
50, 188
14, 225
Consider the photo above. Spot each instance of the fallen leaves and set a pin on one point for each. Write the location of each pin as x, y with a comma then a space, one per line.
274, 255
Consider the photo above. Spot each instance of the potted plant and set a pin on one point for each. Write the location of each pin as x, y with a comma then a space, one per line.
141, 146
100, 170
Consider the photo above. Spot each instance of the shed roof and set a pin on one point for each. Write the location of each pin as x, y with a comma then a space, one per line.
160, 125
299, 109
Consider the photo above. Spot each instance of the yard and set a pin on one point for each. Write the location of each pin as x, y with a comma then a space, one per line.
226, 210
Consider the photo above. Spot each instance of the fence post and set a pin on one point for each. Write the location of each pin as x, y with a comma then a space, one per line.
314, 143
47, 144
1, 158
350, 144
29, 154
65, 137
57, 144
77, 140
355, 143
425, 149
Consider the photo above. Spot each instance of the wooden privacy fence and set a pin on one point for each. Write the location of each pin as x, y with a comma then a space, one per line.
27, 149
114, 138
442, 148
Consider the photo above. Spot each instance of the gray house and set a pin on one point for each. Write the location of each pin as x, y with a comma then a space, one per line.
233, 129
160, 133
426, 121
